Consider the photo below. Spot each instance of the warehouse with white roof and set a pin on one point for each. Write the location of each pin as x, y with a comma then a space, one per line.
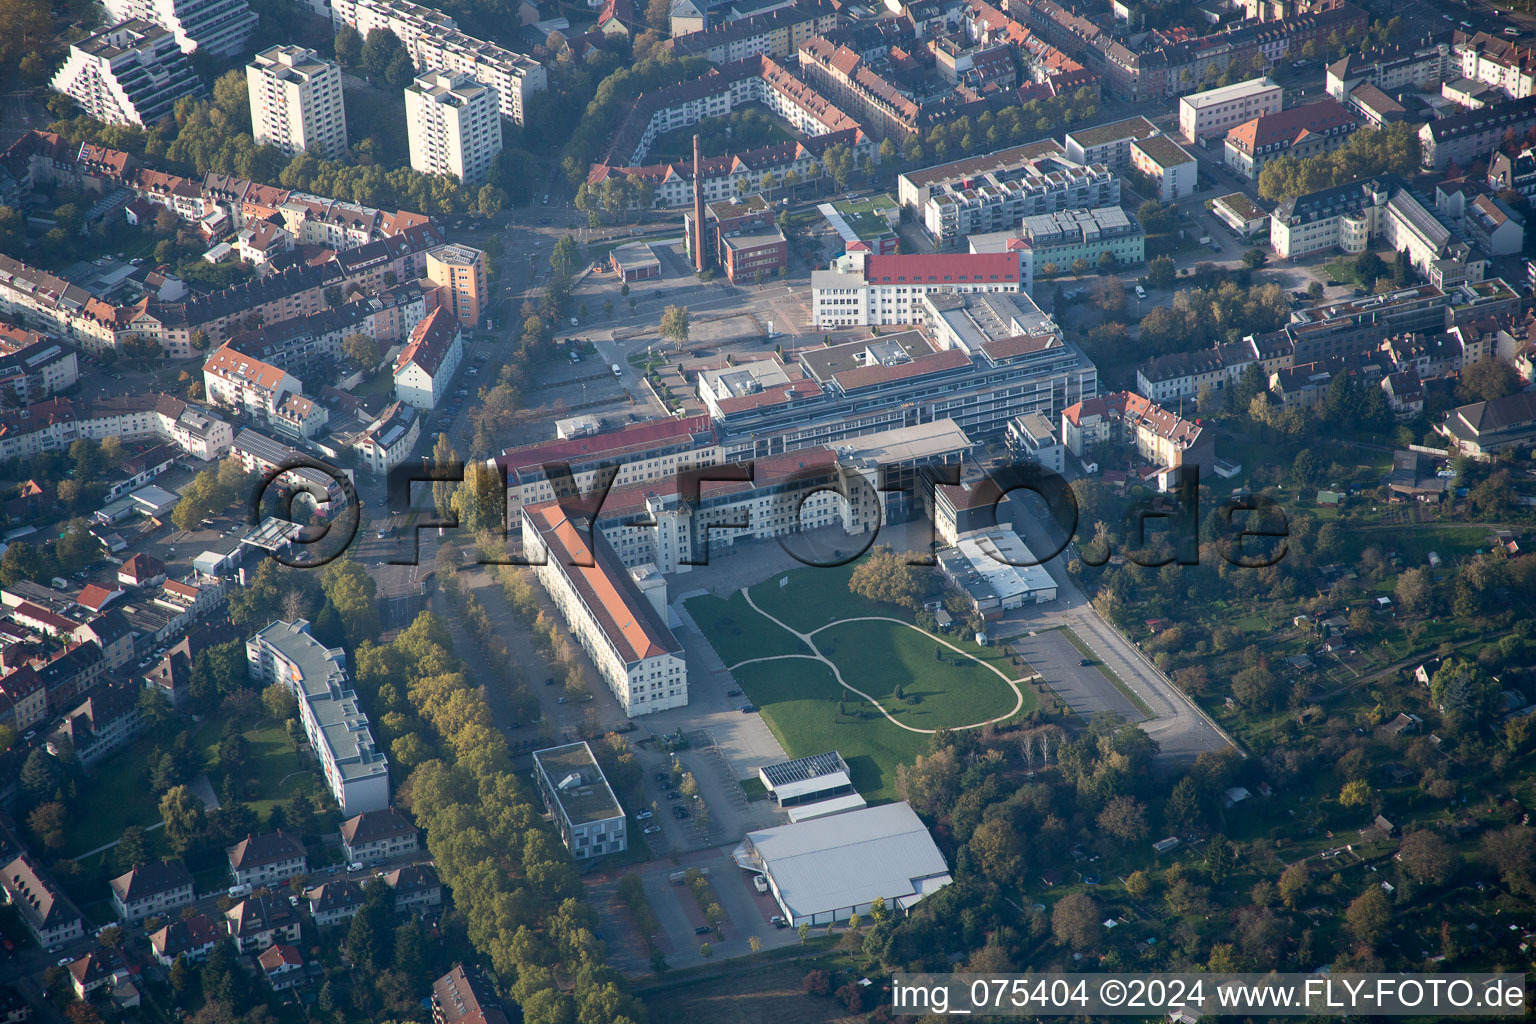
829, 868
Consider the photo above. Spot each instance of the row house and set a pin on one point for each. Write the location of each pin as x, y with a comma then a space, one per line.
258, 922
192, 938
378, 835
268, 859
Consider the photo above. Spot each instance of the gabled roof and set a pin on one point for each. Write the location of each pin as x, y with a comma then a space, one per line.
270, 848
430, 341
152, 879
371, 826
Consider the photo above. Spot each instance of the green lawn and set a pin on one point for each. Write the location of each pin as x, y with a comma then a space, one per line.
798, 700
877, 657
116, 796
816, 596
1341, 271
737, 632
273, 771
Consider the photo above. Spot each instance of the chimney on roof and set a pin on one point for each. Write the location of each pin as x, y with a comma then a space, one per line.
700, 260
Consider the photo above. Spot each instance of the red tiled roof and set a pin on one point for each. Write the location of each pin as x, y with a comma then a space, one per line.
585, 449
430, 341
946, 268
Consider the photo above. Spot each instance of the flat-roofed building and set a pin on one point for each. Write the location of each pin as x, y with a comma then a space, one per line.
454, 126
871, 221
355, 769
296, 102
1239, 213
587, 814
1034, 438
866, 290
634, 261
459, 273
1204, 115
1109, 144
829, 868
1169, 166
807, 780
996, 572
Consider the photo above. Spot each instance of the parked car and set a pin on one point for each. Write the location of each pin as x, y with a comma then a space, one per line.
550, 681
733, 693
355, 866
563, 700
701, 930
651, 829
1084, 661
778, 922
759, 883
663, 777
642, 815
679, 813
748, 709
673, 794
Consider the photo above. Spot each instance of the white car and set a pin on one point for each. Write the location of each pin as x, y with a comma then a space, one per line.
642, 815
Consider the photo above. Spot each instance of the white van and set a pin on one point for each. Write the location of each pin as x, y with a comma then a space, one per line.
1141, 292
759, 883
235, 892
616, 371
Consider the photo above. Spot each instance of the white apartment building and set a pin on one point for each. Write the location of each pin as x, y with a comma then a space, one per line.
296, 102
1203, 115
218, 27
434, 43
244, 383
426, 365
131, 73
388, 440
997, 200
355, 769
863, 290
453, 125
1502, 63
57, 423
1109, 144
622, 629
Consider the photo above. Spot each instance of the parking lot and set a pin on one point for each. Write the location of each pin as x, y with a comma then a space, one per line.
1085, 689
747, 912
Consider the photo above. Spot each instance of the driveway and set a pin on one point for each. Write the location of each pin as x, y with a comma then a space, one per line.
1182, 730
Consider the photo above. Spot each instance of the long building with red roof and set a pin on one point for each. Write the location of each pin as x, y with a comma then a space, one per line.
865, 290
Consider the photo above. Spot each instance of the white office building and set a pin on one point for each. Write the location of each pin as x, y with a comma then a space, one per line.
131, 73
453, 125
219, 27
355, 769
296, 102
1215, 112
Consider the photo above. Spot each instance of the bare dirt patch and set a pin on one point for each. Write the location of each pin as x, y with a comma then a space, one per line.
766, 994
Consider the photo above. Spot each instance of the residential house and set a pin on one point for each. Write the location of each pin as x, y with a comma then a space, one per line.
44, 909
378, 835
417, 888
334, 902
156, 888
258, 922
268, 859
191, 937
282, 965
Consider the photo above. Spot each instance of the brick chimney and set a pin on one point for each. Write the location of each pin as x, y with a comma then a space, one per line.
700, 257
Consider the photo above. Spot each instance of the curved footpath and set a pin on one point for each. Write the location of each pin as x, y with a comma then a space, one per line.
1018, 695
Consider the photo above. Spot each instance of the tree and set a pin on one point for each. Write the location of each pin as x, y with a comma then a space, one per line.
674, 325
47, 823
1425, 857
1465, 693
1124, 818
1368, 915
816, 983
379, 48
1487, 379
1161, 272
1076, 921
23, 561
132, 849
279, 701
998, 850
658, 14
362, 349
40, 775
1138, 884
1295, 881
232, 95
1414, 591
349, 46
888, 578
1356, 793
1511, 852
444, 458
183, 816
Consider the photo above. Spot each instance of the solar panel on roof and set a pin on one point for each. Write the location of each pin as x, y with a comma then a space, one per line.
804, 768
